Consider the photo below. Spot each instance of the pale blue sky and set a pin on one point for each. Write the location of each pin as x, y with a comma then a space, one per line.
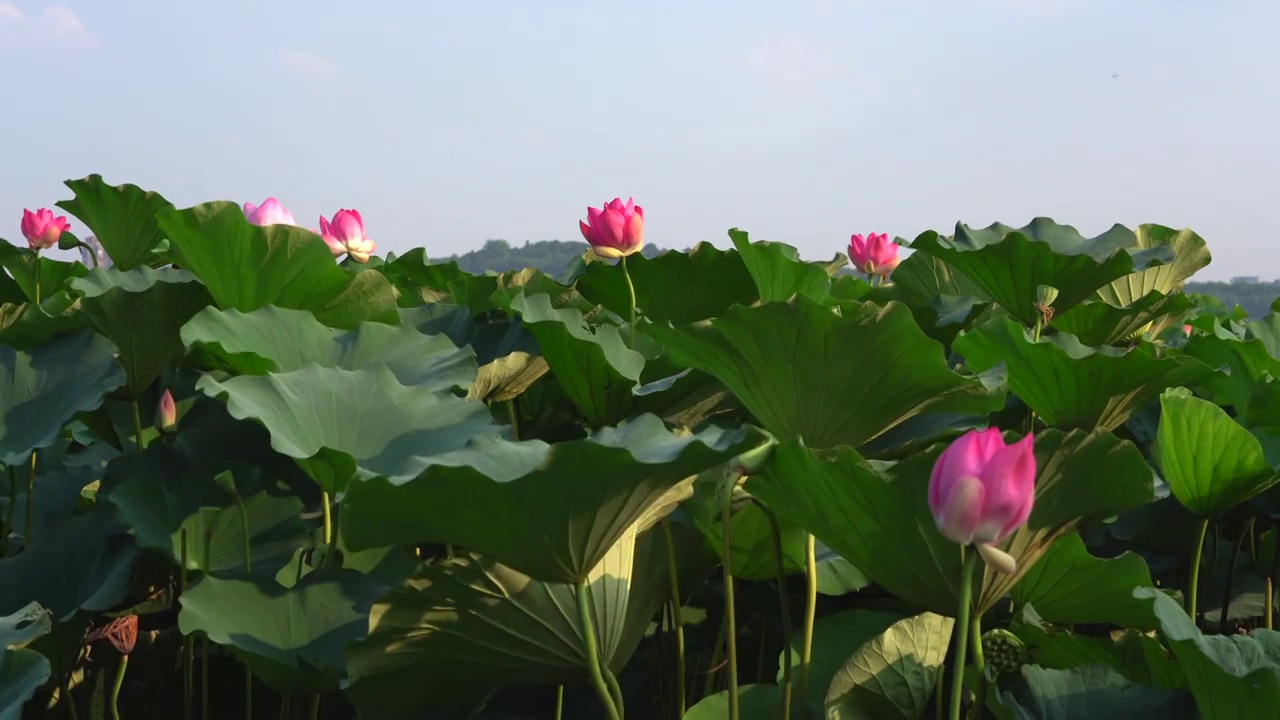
446, 123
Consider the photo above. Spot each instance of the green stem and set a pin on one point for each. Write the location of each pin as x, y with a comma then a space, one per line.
1231, 575
315, 706
115, 688
677, 616
962, 622
1271, 576
731, 625
286, 705
10, 512
64, 691
29, 530
810, 611
205, 706
631, 288
615, 690
37, 288
559, 701
776, 531
594, 668
1194, 584
979, 663
514, 416
188, 647
717, 652
137, 427
248, 693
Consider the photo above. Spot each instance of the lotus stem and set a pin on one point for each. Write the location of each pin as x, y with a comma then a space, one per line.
37, 274
1271, 576
559, 701
979, 663
962, 622
514, 417
315, 706
810, 611
731, 625
137, 427
1231, 574
29, 529
188, 647
325, 502
631, 289
677, 616
594, 668
10, 512
776, 531
717, 650
615, 689
115, 688
1196, 552
64, 691
205, 707
286, 705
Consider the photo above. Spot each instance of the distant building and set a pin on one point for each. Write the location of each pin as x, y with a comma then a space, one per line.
1245, 280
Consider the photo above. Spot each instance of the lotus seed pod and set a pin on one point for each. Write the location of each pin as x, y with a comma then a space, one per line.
1005, 652
1045, 295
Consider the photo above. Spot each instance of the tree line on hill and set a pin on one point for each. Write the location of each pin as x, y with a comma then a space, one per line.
1255, 298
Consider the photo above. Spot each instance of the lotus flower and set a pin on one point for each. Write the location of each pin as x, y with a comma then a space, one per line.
92, 254
345, 234
270, 212
615, 230
874, 254
1186, 329
42, 229
166, 412
981, 490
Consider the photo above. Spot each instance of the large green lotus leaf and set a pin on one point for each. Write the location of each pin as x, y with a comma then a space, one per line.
1231, 676
1210, 461
943, 300
675, 287
42, 389
415, 275
22, 671
1191, 254
82, 562
1138, 656
1240, 364
11, 293
1010, 264
274, 340
893, 674
805, 371
593, 364
115, 301
879, 519
1070, 385
1093, 692
1068, 585
757, 701
778, 271
122, 217
549, 511
474, 625
26, 325
835, 638
32, 272
1098, 322
387, 427
246, 267
305, 628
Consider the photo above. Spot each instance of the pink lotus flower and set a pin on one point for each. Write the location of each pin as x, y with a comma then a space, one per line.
1186, 329
874, 254
270, 212
345, 234
42, 229
615, 230
166, 412
981, 490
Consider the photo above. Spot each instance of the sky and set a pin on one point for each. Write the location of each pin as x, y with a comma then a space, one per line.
448, 123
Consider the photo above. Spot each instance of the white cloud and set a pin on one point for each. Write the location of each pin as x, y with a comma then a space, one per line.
54, 27
303, 64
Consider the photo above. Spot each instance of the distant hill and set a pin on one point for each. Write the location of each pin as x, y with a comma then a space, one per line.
1255, 298
549, 256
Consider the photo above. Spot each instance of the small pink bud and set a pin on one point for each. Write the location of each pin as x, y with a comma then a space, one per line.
615, 230
270, 212
42, 229
1186, 330
345, 234
981, 490
874, 254
166, 412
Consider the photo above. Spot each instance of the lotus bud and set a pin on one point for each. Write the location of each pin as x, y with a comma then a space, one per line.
42, 229
1045, 295
1186, 330
166, 412
345, 234
270, 212
615, 230
981, 490
874, 254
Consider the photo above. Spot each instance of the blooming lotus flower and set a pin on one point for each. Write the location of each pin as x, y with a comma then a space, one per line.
981, 490
345, 234
270, 212
615, 230
166, 412
94, 255
42, 229
874, 254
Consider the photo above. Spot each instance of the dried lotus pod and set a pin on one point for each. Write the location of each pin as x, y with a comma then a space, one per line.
121, 634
